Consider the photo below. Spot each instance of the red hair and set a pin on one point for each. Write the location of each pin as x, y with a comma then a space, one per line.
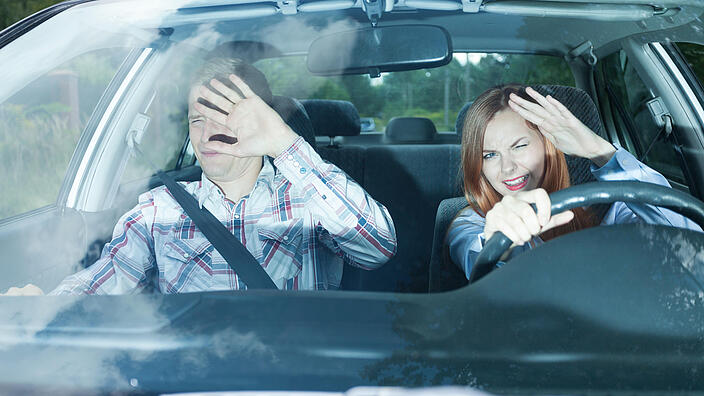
479, 193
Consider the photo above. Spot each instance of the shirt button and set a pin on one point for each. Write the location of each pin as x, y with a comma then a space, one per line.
296, 163
237, 216
185, 255
303, 170
324, 196
290, 157
285, 237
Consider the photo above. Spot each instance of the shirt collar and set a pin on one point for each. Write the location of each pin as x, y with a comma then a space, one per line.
209, 190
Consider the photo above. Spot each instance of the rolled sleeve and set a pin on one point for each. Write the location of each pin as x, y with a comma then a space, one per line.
360, 227
125, 261
623, 166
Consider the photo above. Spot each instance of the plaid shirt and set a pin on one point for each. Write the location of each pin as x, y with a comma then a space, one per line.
303, 219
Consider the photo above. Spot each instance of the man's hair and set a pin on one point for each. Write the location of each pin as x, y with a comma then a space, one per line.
220, 68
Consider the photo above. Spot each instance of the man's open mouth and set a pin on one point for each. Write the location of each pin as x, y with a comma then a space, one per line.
223, 138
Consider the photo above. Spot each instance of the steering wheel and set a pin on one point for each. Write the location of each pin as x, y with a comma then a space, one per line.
595, 193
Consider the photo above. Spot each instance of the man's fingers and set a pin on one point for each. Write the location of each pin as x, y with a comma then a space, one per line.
558, 220
212, 114
29, 290
229, 93
218, 100
242, 86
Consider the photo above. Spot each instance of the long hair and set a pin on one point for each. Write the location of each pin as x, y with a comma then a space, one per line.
479, 193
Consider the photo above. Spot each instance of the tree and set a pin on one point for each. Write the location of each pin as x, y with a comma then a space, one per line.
12, 11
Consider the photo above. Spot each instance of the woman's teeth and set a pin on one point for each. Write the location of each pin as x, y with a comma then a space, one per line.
516, 182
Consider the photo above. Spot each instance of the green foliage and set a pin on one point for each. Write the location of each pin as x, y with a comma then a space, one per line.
437, 93
694, 54
331, 90
36, 144
40, 126
12, 11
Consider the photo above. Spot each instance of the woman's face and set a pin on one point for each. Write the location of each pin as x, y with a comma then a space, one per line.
513, 155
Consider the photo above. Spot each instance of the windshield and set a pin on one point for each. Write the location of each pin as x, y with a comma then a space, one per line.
363, 190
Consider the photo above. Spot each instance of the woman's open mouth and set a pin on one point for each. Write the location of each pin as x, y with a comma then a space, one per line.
517, 183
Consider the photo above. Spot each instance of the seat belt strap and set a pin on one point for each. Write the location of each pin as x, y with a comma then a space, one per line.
230, 248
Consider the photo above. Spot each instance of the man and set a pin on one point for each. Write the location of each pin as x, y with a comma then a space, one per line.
300, 217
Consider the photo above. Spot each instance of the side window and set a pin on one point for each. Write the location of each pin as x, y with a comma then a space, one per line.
40, 125
165, 135
694, 55
636, 128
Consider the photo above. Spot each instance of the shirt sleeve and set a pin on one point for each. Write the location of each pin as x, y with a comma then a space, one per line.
465, 239
623, 166
126, 261
361, 228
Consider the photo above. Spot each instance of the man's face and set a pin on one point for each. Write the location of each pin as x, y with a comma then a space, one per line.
207, 139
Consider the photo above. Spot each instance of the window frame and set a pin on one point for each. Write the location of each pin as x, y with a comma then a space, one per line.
662, 81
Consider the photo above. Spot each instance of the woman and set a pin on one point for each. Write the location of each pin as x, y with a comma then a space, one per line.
512, 155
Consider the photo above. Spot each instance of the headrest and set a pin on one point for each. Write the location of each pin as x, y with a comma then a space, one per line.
410, 129
294, 114
333, 117
582, 106
460, 117
575, 99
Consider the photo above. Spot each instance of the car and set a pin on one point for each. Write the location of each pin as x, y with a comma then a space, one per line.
617, 309
367, 124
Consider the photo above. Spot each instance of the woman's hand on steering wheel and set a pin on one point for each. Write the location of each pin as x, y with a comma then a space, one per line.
515, 217
562, 128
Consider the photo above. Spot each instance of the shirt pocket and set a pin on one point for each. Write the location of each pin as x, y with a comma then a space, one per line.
281, 248
187, 265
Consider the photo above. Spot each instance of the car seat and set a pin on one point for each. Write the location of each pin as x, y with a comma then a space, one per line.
445, 275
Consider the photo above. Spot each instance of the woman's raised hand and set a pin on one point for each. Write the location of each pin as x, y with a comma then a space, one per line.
516, 219
562, 128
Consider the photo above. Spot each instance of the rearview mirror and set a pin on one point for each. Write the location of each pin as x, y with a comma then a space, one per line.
380, 49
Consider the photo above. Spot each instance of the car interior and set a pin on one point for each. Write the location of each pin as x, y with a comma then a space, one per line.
410, 164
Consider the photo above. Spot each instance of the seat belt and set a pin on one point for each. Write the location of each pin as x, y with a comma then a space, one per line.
230, 248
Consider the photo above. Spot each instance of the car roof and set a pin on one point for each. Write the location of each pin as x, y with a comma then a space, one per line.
537, 26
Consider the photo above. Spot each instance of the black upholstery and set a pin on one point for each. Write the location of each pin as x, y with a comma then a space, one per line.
337, 118
460, 117
410, 180
410, 130
333, 117
444, 275
294, 114
349, 159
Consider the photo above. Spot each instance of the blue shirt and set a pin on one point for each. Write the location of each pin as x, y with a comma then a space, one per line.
466, 236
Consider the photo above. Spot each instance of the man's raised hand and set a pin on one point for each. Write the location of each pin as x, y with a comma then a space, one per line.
259, 129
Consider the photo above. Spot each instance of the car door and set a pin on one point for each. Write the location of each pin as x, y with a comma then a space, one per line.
53, 99
649, 101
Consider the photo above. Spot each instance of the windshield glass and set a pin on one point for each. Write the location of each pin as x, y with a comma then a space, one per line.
437, 94
178, 158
